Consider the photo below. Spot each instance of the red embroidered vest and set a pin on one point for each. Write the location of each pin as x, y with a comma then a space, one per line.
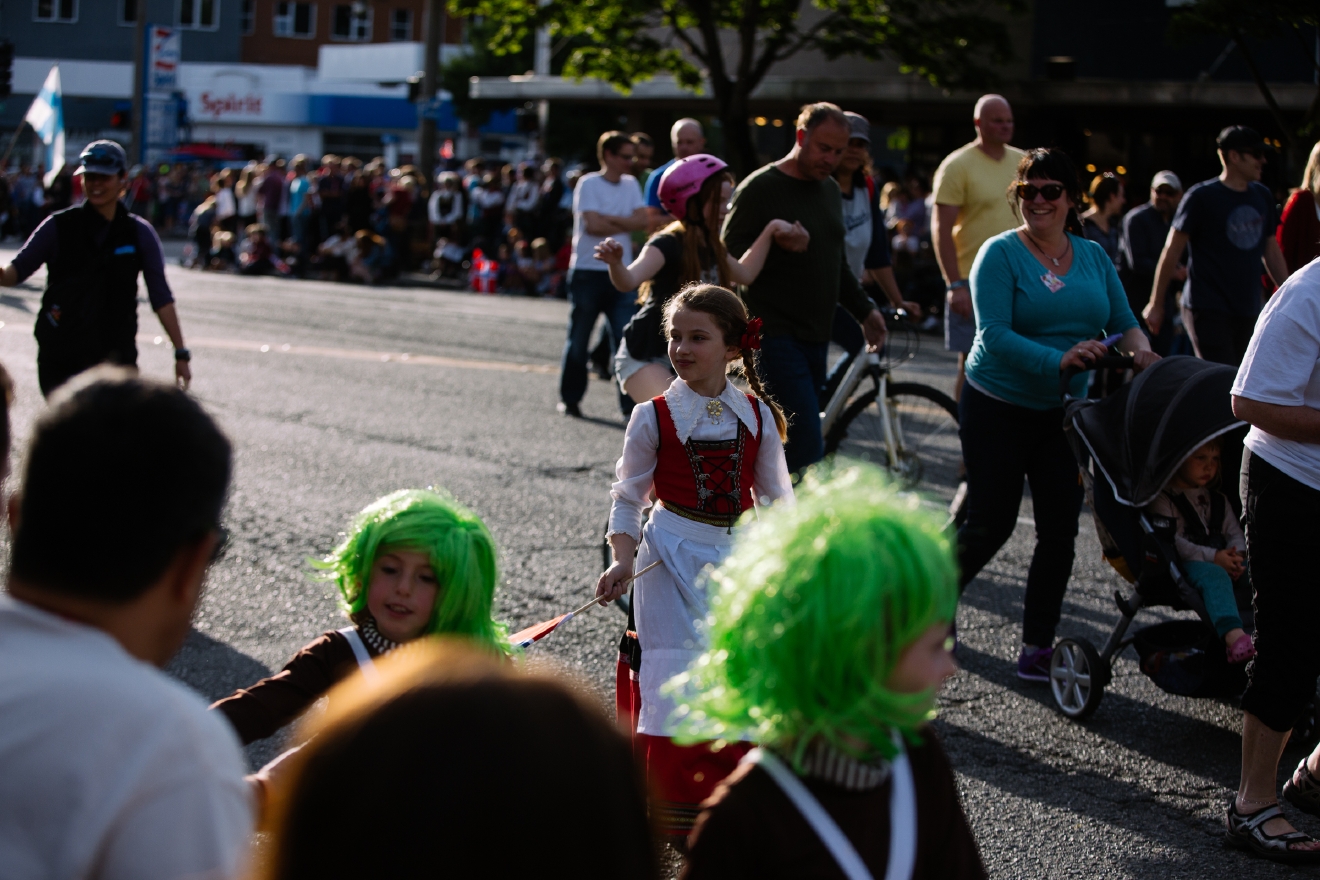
709, 481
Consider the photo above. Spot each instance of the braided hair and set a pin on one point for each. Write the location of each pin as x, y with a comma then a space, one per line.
730, 315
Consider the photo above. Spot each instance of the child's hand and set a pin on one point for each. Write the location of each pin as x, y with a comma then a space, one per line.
1231, 561
614, 582
609, 251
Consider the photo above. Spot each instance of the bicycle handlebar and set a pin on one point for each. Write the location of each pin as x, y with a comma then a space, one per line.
1109, 362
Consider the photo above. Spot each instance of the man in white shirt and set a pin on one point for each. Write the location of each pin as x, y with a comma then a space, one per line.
108, 768
606, 204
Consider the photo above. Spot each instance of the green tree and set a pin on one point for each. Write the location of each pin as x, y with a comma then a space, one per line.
733, 44
1244, 20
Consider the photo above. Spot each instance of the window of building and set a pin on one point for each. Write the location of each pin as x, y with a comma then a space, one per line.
401, 25
56, 10
295, 20
247, 18
128, 12
352, 22
199, 15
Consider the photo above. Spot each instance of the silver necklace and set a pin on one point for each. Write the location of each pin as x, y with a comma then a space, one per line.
1055, 260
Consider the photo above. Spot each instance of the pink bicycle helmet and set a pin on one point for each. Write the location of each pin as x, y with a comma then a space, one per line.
684, 178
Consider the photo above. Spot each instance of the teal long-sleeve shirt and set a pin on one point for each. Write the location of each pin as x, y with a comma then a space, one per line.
1023, 328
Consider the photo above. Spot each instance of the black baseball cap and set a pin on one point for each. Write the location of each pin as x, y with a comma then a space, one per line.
1241, 139
102, 157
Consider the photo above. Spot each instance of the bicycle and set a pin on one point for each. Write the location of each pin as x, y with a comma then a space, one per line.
908, 428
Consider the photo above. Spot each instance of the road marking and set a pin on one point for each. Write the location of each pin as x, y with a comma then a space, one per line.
353, 354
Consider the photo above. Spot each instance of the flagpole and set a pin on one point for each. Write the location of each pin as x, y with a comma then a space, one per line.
4, 163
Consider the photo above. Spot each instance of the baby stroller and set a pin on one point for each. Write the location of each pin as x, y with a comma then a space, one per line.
1128, 445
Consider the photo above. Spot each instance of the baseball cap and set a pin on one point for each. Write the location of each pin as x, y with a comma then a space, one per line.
860, 127
102, 157
1166, 178
1241, 139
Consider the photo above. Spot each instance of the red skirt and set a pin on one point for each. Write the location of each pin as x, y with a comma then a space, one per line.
679, 777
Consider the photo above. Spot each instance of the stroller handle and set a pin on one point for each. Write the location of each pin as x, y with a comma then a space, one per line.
1109, 362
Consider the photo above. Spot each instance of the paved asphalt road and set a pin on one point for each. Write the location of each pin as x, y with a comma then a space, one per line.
335, 395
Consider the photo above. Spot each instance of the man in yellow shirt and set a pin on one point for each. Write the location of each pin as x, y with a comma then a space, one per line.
971, 205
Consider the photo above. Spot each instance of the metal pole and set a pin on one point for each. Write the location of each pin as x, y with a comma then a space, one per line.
138, 151
430, 83
541, 67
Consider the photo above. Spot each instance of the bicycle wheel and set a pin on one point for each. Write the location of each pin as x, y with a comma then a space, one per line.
925, 424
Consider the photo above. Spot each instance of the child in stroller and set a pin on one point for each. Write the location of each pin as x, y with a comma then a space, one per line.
1209, 543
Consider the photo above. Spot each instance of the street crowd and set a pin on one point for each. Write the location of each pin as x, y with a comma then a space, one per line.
779, 670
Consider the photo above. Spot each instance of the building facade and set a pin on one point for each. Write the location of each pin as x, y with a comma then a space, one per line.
278, 32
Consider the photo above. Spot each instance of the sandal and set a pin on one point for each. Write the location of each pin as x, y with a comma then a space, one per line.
1245, 832
1305, 794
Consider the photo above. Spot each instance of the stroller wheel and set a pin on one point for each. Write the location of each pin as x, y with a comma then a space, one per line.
1077, 677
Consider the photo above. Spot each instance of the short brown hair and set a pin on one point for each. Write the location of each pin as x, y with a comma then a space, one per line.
812, 115
611, 142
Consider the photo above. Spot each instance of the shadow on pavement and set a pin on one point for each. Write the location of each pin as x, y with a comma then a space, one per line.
214, 669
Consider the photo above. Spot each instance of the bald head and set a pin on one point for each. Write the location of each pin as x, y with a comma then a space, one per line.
994, 120
687, 138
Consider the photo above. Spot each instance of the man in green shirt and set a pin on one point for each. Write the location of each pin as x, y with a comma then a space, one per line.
805, 277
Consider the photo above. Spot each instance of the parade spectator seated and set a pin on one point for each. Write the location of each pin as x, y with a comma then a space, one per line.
548, 274
447, 259
470, 730
333, 254
370, 259
108, 767
221, 256
258, 257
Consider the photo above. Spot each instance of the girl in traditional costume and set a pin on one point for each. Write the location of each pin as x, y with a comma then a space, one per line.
829, 639
414, 563
710, 452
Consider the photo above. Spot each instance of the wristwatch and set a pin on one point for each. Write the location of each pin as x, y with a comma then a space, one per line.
182, 354
961, 282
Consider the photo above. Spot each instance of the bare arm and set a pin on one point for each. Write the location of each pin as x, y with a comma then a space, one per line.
1274, 262
885, 280
644, 268
169, 319
946, 252
745, 270
596, 223
1174, 246
1135, 343
8, 275
1298, 423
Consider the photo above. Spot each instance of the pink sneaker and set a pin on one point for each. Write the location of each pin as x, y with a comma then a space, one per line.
1242, 650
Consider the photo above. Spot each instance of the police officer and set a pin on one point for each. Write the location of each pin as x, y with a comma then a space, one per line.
93, 254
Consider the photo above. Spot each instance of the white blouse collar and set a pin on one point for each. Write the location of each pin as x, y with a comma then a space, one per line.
687, 408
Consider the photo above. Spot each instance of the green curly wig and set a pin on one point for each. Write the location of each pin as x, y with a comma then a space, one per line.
809, 615
460, 547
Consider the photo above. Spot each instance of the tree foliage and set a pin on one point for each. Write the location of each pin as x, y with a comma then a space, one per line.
1242, 20
456, 74
733, 44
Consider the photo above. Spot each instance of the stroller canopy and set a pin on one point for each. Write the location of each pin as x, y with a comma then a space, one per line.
1140, 435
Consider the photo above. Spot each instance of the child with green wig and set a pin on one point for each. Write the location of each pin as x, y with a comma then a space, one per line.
829, 640
414, 563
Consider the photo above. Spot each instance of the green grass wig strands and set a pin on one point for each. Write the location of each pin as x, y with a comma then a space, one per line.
810, 614
460, 547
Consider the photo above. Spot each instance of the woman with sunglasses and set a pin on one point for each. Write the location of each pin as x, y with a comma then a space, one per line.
1043, 295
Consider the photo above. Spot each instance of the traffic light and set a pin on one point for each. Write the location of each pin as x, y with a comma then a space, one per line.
6, 69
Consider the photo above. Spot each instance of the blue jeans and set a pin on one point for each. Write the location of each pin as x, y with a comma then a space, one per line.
792, 372
589, 295
1004, 444
1216, 589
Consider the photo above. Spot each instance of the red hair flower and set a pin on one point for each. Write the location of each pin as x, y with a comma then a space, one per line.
751, 338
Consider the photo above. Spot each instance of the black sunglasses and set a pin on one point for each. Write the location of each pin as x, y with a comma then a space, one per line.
1027, 192
1165, 191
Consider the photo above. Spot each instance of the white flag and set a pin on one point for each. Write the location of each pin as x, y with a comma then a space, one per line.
46, 116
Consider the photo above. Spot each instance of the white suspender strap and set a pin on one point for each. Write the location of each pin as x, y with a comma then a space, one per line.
902, 816
360, 654
825, 827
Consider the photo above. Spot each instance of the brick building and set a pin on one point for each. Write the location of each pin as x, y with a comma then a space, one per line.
279, 32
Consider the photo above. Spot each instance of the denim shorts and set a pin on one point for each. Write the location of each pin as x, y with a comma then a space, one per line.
625, 365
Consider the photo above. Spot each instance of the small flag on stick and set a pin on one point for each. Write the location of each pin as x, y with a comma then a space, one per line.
541, 630
46, 116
